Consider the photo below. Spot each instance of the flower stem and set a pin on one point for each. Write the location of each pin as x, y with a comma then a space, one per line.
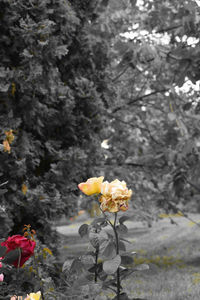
117, 249
117, 252
38, 276
19, 259
96, 261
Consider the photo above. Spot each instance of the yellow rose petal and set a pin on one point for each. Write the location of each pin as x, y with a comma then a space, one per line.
91, 186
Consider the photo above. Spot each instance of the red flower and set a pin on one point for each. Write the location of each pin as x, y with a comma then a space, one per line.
25, 245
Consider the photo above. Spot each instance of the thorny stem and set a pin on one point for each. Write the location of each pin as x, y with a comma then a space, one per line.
117, 249
117, 252
18, 265
96, 261
116, 235
38, 275
19, 259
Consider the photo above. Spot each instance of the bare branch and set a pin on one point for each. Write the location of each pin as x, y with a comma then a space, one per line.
139, 99
120, 74
168, 28
193, 185
4, 183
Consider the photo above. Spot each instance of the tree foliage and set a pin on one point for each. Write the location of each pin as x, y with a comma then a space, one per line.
153, 135
74, 73
52, 92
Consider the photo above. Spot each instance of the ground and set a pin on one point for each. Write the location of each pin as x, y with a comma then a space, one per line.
172, 252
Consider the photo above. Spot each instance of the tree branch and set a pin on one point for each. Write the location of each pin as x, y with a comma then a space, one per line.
168, 28
173, 206
139, 99
120, 74
133, 126
193, 185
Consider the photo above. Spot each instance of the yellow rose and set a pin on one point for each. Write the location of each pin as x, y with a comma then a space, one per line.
34, 296
116, 189
91, 186
115, 196
9, 136
110, 205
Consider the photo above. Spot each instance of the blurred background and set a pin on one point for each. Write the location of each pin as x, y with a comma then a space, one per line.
92, 88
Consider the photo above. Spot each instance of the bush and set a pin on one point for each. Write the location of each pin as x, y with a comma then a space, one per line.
52, 91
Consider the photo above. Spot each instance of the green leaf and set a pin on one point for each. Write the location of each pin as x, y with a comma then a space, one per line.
89, 277
67, 265
127, 272
98, 220
123, 219
61, 51
122, 296
83, 230
125, 240
83, 279
3, 250
102, 276
96, 239
76, 266
122, 246
87, 260
12, 256
122, 229
126, 260
98, 268
110, 250
111, 266
111, 282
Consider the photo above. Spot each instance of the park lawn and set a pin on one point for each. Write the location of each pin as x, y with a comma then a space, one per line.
172, 253
170, 277
166, 284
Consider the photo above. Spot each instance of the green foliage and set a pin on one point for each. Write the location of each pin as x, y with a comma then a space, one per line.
153, 136
12, 256
40, 272
74, 73
107, 261
52, 85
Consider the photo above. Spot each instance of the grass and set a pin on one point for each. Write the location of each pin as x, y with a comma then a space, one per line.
173, 255
168, 278
171, 284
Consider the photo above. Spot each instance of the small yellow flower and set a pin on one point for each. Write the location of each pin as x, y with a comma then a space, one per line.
34, 296
6, 146
8, 140
47, 250
24, 188
91, 186
9, 136
13, 89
